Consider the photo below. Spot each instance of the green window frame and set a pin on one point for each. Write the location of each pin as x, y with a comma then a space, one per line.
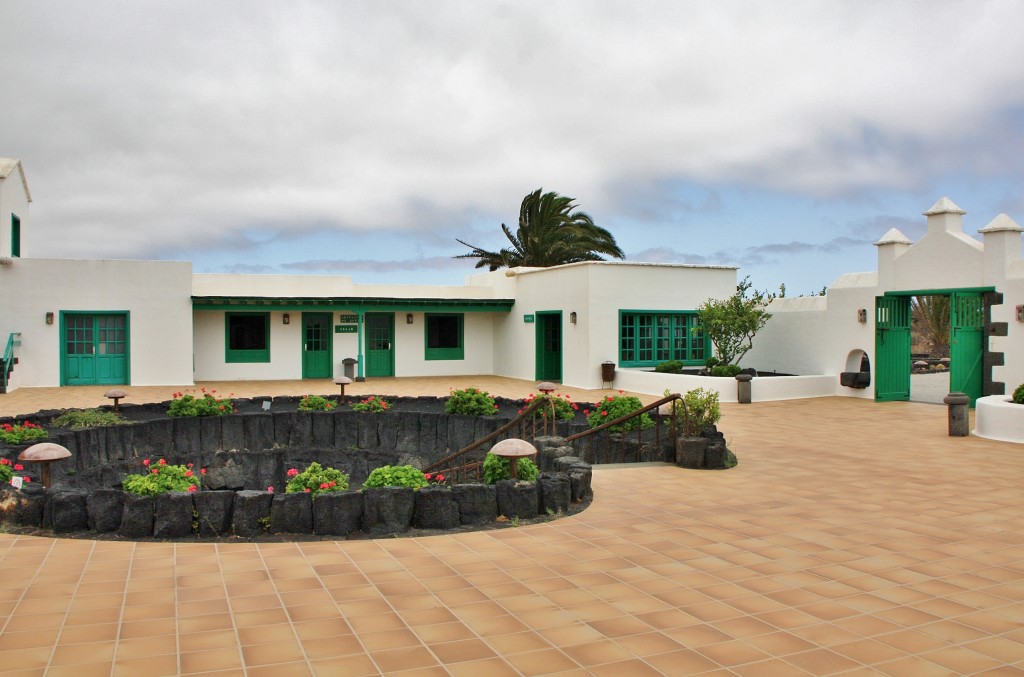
15, 236
246, 337
649, 337
444, 336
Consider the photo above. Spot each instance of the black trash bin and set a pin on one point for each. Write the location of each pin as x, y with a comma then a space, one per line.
607, 372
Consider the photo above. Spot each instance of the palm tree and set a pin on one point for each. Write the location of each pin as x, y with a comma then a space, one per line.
550, 233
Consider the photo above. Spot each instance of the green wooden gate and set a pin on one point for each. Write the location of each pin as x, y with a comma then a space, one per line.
966, 344
549, 346
892, 348
380, 354
94, 349
316, 345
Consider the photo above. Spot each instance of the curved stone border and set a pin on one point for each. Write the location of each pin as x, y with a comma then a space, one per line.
375, 512
997, 417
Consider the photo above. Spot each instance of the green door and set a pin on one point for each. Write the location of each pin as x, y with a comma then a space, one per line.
892, 348
549, 346
94, 349
380, 346
966, 344
316, 345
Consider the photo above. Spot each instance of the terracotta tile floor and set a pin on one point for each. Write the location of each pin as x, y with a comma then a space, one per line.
854, 538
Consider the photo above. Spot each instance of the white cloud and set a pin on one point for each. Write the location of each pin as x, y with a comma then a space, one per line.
147, 127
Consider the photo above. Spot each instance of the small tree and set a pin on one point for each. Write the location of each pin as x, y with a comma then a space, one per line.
732, 323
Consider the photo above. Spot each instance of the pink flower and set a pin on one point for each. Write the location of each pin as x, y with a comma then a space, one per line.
270, 489
192, 489
604, 413
188, 473
145, 462
202, 471
292, 472
18, 466
440, 478
163, 461
189, 466
307, 490
155, 471
325, 485
586, 412
27, 478
427, 476
4, 461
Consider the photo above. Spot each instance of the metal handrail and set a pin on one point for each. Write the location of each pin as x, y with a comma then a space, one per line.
591, 453
13, 340
452, 466
446, 463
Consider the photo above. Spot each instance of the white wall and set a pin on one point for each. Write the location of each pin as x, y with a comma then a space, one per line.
156, 295
13, 200
597, 292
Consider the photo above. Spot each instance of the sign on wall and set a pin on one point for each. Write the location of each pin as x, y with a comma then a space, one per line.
348, 319
528, 318
344, 329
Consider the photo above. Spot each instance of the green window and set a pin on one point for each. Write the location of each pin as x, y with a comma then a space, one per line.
647, 338
444, 337
247, 337
15, 236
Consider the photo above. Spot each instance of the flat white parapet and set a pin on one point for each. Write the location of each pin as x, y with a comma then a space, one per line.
996, 417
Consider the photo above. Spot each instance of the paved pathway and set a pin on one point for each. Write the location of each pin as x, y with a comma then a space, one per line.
854, 538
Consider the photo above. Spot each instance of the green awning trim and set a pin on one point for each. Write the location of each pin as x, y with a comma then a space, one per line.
351, 303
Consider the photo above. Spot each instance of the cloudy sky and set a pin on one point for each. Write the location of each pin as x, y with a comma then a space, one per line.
362, 138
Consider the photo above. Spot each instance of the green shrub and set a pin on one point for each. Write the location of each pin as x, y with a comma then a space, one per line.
186, 404
88, 418
725, 370
161, 478
497, 468
315, 479
316, 403
396, 476
670, 367
471, 401
565, 408
613, 407
712, 362
372, 404
1018, 394
699, 409
20, 433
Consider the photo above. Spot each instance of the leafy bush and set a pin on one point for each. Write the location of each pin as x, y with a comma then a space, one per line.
20, 433
161, 478
725, 370
613, 407
186, 404
732, 323
1018, 394
697, 410
7, 470
316, 403
497, 468
372, 404
712, 362
315, 479
396, 476
471, 401
565, 408
670, 367
89, 418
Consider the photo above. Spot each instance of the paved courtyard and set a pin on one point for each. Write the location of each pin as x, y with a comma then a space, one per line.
853, 538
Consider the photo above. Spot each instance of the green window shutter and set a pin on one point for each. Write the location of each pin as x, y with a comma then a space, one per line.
647, 338
444, 336
15, 236
246, 337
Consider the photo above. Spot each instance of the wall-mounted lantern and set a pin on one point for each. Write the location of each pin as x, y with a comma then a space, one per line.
1020, 313
408, 318
572, 317
286, 318
49, 318
862, 315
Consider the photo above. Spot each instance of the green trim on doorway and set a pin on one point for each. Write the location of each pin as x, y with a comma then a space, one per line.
549, 341
94, 350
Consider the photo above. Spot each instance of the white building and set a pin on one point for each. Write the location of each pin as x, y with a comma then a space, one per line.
71, 322
868, 314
